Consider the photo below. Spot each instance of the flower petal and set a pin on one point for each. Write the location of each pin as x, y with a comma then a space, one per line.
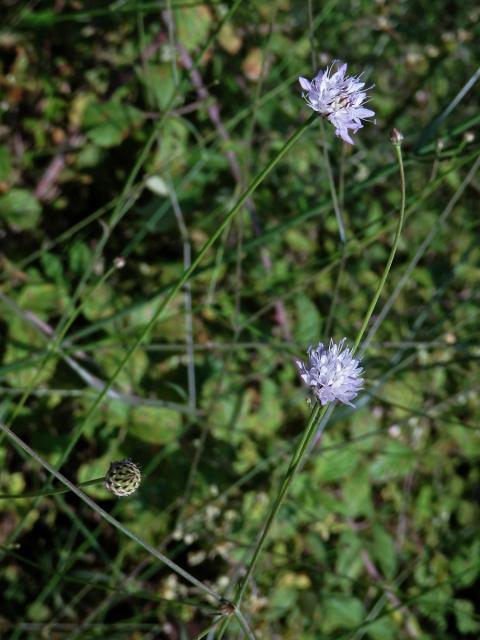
304, 83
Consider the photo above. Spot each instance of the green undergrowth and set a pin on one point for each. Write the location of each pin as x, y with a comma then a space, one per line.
129, 130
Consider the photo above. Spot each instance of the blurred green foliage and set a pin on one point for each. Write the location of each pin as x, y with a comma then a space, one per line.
379, 537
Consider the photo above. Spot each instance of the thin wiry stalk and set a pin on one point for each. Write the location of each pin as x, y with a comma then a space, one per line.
331, 184
297, 456
187, 262
419, 253
48, 492
383, 279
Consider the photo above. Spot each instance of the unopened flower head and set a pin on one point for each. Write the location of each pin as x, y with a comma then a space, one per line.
123, 478
332, 373
338, 98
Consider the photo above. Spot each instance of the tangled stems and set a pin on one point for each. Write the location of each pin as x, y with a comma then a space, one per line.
182, 280
4, 430
320, 414
104, 514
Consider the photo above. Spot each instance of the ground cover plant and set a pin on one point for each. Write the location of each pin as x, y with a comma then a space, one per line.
239, 312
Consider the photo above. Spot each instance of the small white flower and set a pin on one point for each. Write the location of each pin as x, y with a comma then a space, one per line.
338, 98
333, 373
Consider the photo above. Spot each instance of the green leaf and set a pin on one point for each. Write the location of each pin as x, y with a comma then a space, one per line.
20, 209
79, 257
342, 613
53, 267
109, 123
465, 615
43, 298
38, 612
396, 460
158, 81
331, 466
357, 495
381, 629
23, 340
193, 25
309, 322
264, 412
384, 552
109, 358
155, 425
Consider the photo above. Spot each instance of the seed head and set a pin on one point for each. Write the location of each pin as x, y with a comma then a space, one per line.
332, 373
123, 478
338, 98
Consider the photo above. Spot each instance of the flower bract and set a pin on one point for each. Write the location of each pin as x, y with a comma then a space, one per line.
123, 478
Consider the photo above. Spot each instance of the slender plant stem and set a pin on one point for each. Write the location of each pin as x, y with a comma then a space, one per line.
48, 492
300, 449
419, 253
333, 190
243, 624
302, 446
401, 218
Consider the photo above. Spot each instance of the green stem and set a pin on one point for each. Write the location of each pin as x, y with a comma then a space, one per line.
48, 492
333, 189
381, 284
302, 446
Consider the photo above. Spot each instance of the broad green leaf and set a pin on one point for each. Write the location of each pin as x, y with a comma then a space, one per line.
309, 322
193, 24
331, 466
109, 123
19, 208
155, 425
341, 613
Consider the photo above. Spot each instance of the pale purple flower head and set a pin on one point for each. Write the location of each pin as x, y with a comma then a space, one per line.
333, 373
338, 98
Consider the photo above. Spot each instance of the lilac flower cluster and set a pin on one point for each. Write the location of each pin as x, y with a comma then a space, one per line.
332, 373
339, 99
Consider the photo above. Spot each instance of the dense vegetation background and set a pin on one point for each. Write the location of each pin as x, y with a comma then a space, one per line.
128, 130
